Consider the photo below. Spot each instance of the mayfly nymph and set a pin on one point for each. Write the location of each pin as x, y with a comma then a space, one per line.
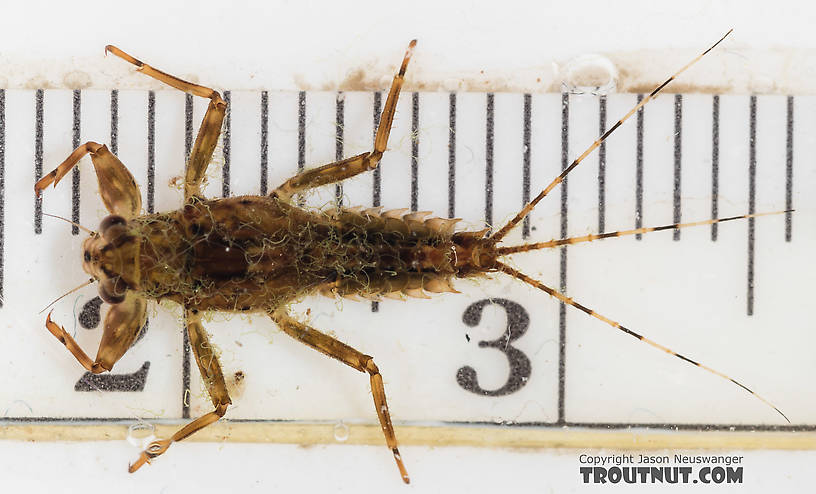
259, 254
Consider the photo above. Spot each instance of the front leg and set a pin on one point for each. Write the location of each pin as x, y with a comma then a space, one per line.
122, 325
347, 168
213, 377
116, 184
364, 363
208, 133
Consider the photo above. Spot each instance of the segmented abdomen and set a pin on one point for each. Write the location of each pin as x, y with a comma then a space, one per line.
256, 253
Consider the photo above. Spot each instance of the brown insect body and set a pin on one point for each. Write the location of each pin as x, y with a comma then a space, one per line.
256, 253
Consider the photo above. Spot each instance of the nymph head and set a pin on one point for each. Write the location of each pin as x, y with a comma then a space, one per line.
110, 256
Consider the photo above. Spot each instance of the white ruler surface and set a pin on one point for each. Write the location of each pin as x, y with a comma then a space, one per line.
734, 297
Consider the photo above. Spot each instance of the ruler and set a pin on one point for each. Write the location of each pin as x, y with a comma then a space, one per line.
733, 297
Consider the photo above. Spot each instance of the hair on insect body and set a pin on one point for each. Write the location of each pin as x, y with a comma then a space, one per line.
261, 254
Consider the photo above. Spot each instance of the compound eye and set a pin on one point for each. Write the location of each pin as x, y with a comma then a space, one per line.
111, 220
113, 227
87, 256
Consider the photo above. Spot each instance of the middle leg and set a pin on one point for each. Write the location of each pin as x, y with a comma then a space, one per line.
213, 377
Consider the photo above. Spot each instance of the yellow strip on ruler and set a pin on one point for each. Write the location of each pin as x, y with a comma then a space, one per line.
480, 436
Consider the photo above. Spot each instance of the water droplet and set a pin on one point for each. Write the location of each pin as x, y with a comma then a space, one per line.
341, 432
77, 80
593, 74
451, 84
141, 434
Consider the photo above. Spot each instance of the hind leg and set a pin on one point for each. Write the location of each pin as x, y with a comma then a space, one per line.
354, 359
347, 168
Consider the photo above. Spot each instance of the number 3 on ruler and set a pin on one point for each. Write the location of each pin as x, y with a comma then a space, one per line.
517, 323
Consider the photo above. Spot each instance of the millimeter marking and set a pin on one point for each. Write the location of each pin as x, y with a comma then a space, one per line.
376, 185
185, 360
414, 152
452, 155
789, 171
639, 170
525, 178
339, 123
76, 129
39, 96
751, 201
489, 120
226, 139
715, 163
678, 155
562, 312
264, 141
114, 121
151, 152
601, 165
2, 185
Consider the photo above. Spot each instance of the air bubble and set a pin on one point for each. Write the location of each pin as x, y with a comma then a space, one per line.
14, 405
593, 74
341, 432
141, 434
